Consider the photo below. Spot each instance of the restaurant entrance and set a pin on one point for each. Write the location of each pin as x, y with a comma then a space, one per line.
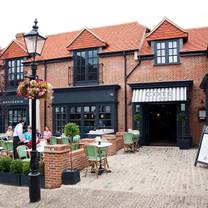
162, 124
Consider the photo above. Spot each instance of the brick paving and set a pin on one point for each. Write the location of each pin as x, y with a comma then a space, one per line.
153, 177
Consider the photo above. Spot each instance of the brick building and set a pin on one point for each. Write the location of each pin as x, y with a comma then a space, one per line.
103, 77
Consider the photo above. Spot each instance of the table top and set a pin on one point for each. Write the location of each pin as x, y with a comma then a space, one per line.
103, 144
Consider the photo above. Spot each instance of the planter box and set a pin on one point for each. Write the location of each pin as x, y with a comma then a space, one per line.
185, 142
70, 176
25, 180
10, 178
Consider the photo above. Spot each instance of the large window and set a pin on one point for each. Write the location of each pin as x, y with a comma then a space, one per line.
167, 52
15, 115
86, 66
15, 72
87, 117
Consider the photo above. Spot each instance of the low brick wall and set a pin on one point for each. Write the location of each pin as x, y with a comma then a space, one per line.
58, 157
119, 140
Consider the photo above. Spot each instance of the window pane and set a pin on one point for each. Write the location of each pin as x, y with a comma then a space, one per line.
175, 51
163, 60
174, 44
158, 52
170, 59
170, 52
158, 60
163, 52
170, 44
158, 45
175, 58
162, 45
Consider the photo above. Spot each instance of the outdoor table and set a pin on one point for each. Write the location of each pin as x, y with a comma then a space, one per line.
99, 145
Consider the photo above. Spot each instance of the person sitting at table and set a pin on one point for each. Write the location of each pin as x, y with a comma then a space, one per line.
29, 144
9, 133
47, 134
28, 134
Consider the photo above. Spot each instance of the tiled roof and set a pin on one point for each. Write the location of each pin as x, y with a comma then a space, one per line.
166, 30
197, 41
15, 49
117, 37
86, 39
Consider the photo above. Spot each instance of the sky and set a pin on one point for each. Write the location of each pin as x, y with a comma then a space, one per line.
57, 16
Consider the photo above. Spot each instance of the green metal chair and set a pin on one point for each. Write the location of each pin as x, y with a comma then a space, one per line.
22, 153
95, 158
129, 142
53, 140
76, 138
64, 140
9, 145
74, 146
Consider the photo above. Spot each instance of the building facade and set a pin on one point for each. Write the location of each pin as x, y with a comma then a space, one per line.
106, 77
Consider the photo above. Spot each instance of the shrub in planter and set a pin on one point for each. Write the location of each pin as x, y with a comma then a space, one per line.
5, 163
71, 176
16, 166
26, 170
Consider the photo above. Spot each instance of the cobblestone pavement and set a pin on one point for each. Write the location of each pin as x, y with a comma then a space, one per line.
154, 177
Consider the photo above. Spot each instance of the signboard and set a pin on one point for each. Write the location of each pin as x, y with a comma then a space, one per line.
202, 154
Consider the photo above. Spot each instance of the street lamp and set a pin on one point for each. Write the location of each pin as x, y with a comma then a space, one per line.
34, 43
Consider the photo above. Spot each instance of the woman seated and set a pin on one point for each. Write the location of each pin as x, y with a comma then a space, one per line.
47, 134
9, 133
28, 134
29, 144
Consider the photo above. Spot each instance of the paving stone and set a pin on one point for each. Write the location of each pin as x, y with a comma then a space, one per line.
153, 177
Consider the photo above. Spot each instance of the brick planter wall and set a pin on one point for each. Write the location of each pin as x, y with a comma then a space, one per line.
112, 139
56, 159
119, 140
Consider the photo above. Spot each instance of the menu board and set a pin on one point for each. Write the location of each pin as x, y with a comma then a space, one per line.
202, 154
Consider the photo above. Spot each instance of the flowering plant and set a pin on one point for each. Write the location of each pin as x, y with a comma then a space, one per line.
35, 89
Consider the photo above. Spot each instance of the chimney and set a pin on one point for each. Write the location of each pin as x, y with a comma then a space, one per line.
19, 36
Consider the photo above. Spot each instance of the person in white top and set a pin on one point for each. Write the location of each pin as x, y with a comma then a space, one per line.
18, 137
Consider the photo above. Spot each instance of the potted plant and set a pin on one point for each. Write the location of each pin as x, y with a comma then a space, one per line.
71, 176
26, 170
15, 172
5, 163
184, 140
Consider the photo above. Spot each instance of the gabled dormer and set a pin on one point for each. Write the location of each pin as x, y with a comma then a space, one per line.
166, 40
13, 57
85, 47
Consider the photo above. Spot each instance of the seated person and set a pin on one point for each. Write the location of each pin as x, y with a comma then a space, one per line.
28, 134
47, 134
29, 144
9, 133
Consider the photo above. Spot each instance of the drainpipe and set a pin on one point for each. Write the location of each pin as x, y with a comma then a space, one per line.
45, 102
125, 90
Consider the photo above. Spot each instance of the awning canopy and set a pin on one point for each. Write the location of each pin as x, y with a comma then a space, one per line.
160, 94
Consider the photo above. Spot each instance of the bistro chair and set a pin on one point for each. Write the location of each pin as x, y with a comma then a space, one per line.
95, 159
22, 153
129, 142
64, 140
76, 138
53, 140
9, 146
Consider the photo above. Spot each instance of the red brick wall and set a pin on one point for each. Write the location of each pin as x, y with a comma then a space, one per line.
191, 68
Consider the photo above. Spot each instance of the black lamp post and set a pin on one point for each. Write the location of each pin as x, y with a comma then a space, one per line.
34, 43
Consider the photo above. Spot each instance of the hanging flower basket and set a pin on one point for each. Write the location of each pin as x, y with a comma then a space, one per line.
35, 89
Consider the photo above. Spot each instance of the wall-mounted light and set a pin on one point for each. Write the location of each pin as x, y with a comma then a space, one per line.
202, 114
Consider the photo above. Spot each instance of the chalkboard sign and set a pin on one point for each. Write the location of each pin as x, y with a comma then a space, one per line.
202, 154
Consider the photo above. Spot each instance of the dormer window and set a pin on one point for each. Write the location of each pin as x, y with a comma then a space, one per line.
166, 52
15, 72
86, 66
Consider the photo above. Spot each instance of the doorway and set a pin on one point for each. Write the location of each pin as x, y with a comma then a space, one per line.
162, 124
